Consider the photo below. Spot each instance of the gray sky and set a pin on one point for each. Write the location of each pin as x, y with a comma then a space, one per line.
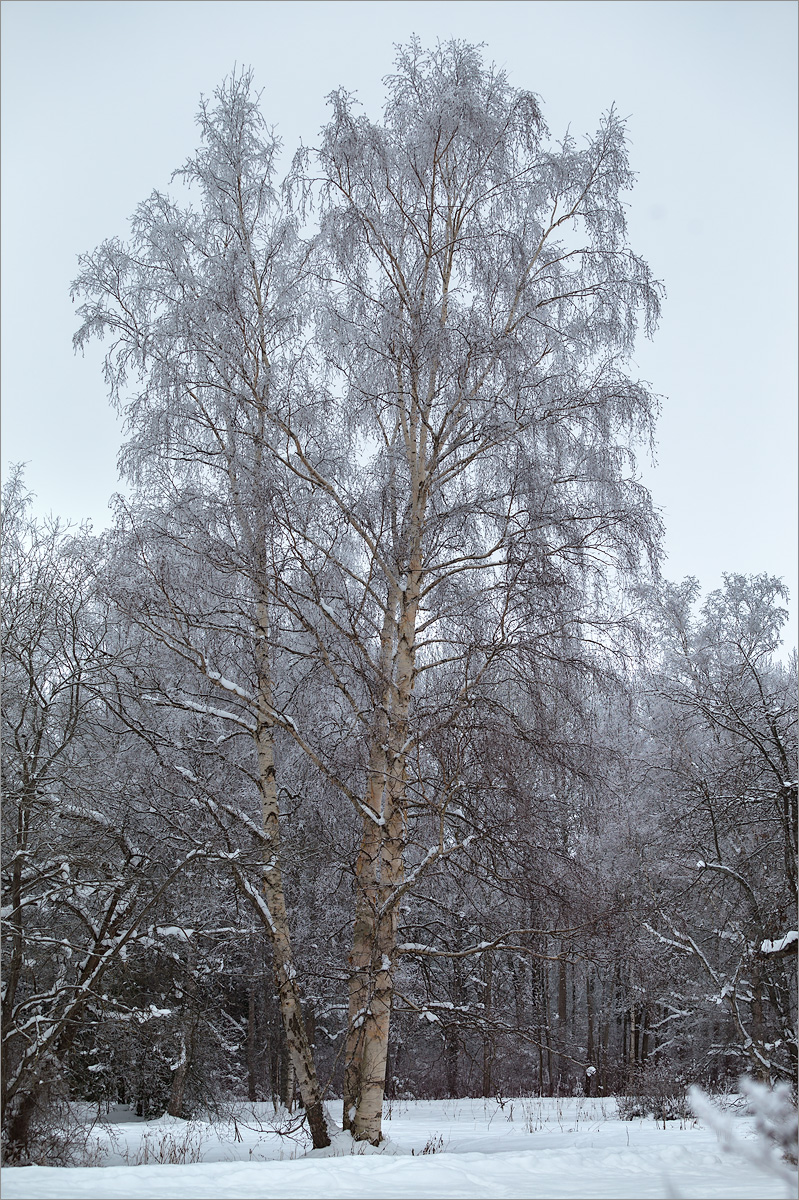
98, 104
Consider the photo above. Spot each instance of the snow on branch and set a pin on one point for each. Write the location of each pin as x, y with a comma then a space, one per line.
228, 685
787, 944
498, 943
217, 806
208, 710
257, 899
435, 854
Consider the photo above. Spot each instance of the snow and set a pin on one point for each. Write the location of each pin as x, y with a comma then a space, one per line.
515, 1149
229, 686
776, 947
259, 901
173, 931
211, 711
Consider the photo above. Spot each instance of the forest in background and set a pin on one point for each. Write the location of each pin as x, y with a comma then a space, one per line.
368, 754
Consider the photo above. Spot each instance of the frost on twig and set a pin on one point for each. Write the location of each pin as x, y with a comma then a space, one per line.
773, 1149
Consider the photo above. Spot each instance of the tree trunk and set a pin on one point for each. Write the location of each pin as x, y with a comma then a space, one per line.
608, 997
452, 1045
488, 1047
371, 985
175, 1108
272, 909
187, 1039
547, 1032
380, 870
563, 1015
364, 933
19, 1115
251, 1074
644, 1034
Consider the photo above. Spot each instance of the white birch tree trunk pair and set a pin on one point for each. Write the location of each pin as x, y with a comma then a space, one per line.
458, 335
380, 866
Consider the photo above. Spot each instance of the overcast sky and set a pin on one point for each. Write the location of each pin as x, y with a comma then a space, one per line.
98, 105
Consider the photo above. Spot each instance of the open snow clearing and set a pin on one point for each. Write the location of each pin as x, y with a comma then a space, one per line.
520, 1148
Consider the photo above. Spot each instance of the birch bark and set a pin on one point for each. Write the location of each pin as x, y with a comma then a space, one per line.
381, 864
277, 921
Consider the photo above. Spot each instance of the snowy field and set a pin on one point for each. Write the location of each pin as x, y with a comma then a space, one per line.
569, 1148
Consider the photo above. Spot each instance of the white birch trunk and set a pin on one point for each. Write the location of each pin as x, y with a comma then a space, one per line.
300, 1053
380, 868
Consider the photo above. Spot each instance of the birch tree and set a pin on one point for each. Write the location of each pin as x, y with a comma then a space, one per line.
480, 302
414, 435
204, 308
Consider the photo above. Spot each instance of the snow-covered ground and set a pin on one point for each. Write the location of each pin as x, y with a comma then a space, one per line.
569, 1148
